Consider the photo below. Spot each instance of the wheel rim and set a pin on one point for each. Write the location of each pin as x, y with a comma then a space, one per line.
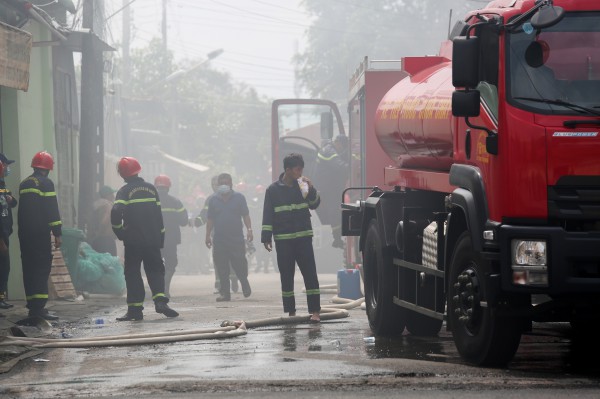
467, 300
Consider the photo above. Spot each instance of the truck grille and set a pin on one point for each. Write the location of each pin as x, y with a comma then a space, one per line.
575, 198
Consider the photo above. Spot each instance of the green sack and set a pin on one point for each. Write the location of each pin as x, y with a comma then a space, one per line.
98, 273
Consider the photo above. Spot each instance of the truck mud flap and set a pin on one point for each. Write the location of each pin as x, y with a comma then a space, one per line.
438, 274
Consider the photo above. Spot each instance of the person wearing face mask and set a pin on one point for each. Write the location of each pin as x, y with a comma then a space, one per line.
200, 220
226, 211
7, 202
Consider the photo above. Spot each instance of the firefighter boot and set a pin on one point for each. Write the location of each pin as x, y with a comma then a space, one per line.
162, 307
134, 313
246, 288
223, 298
3, 303
43, 313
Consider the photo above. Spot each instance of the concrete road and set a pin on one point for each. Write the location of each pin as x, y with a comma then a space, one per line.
328, 360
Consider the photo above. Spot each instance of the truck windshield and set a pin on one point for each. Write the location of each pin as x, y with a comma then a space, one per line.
558, 63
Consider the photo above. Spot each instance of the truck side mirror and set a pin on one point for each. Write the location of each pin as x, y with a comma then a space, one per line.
465, 103
326, 125
547, 16
465, 61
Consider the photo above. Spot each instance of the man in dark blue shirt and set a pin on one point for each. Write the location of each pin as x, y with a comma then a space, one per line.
226, 211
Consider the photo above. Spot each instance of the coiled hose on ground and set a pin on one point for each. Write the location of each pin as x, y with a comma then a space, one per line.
228, 329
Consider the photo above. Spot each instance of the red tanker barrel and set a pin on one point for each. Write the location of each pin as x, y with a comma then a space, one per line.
413, 122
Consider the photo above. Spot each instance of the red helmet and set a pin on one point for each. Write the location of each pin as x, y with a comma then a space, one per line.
42, 160
162, 181
128, 166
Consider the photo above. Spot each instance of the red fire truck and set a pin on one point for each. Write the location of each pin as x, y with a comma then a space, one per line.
487, 213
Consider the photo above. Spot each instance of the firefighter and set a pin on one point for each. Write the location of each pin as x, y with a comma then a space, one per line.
332, 171
286, 219
7, 202
38, 215
174, 216
137, 221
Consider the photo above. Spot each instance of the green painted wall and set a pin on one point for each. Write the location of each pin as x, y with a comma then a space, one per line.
28, 127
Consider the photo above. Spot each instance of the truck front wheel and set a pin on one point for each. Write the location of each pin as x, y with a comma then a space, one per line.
481, 336
385, 318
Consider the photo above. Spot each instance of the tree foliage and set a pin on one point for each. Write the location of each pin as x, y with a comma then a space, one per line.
343, 32
214, 120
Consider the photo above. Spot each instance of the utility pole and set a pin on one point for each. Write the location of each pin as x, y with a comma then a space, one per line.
125, 77
164, 25
91, 143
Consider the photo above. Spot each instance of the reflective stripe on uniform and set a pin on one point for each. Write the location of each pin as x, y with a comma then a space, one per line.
135, 304
289, 236
324, 158
117, 226
267, 227
37, 296
160, 295
135, 201
315, 201
182, 209
287, 294
291, 207
38, 192
316, 291
57, 223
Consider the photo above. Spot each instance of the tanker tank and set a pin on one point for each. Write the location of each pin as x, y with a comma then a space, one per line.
413, 123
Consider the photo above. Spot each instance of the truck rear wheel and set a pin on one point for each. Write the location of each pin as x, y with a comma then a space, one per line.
385, 318
481, 336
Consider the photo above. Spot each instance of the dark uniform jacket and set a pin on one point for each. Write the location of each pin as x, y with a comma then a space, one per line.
38, 212
6, 218
136, 216
286, 212
174, 216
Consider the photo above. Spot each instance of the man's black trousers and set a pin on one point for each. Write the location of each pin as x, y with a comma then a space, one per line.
230, 254
290, 252
36, 257
155, 273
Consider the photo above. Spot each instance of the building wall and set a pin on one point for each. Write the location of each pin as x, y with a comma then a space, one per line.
28, 127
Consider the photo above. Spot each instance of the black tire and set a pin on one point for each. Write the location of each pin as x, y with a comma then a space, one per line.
481, 337
385, 318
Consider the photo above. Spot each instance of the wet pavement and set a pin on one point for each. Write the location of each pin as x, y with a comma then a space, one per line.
331, 356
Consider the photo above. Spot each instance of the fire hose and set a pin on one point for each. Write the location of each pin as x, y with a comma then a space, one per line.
228, 329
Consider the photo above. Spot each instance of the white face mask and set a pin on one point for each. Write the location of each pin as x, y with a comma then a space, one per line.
223, 189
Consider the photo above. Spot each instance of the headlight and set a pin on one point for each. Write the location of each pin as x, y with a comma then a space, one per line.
528, 252
529, 264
